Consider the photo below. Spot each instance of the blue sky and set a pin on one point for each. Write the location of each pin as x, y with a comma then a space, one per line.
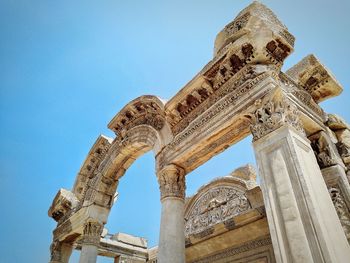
67, 67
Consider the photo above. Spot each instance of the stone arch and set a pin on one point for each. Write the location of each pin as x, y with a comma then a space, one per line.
140, 126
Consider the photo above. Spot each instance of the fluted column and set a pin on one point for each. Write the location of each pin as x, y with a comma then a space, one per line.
90, 242
303, 223
172, 236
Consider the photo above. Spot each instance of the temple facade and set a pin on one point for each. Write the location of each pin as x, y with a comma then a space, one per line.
300, 210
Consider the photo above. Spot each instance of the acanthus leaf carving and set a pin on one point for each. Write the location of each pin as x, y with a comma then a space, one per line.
172, 182
92, 232
272, 115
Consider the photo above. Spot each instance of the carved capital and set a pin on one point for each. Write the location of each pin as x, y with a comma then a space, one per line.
92, 232
272, 115
172, 182
325, 150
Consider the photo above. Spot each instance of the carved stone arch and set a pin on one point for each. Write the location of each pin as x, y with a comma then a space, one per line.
140, 126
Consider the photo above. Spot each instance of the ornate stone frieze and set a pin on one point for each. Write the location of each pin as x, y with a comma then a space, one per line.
342, 210
92, 232
235, 250
232, 98
247, 74
217, 205
272, 115
171, 181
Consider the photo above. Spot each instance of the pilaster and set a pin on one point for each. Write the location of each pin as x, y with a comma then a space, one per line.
303, 223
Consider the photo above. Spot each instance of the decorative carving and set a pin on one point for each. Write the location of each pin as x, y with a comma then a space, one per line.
247, 74
342, 210
217, 205
230, 224
315, 78
291, 87
64, 203
229, 65
323, 153
236, 250
237, 24
343, 149
172, 182
277, 51
206, 232
273, 115
342, 131
235, 92
147, 110
92, 232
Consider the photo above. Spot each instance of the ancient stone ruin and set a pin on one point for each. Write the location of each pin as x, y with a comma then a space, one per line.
300, 211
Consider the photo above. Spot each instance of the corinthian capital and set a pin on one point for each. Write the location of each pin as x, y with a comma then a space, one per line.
274, 114
172, 182
92, 232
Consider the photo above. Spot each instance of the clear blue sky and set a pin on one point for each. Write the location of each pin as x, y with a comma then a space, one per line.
67, 67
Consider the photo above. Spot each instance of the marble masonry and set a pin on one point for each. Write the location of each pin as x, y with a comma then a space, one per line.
299, 212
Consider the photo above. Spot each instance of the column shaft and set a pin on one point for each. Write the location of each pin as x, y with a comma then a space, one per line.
88, 254
172, 235
303, 222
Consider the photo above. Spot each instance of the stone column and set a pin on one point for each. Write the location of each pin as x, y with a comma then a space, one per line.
303, 223
60, 252
90, 242
172, 235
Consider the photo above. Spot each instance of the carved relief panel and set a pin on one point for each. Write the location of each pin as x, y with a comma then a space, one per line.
214, 206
